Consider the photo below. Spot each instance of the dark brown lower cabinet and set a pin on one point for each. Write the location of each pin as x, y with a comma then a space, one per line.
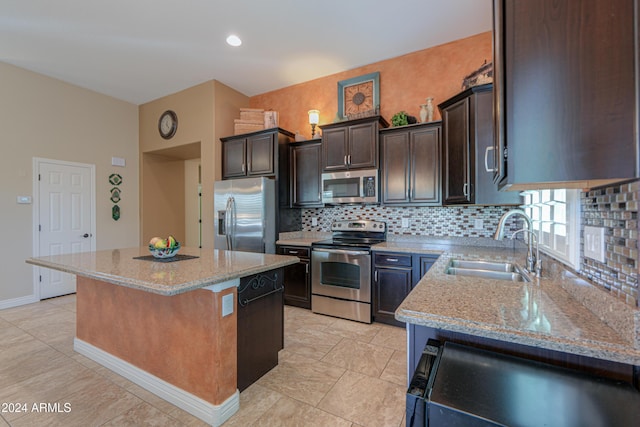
422, 264
297, 277
394, 276
260, 325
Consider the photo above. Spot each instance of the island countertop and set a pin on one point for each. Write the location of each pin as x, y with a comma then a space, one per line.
121, 267
560, 311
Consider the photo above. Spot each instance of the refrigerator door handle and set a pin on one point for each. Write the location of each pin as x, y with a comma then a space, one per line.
227, 225
226, 222
232, 207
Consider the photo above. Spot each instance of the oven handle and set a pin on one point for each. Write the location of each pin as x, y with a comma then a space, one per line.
341, 251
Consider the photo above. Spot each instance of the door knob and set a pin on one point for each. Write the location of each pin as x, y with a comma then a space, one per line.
85, 235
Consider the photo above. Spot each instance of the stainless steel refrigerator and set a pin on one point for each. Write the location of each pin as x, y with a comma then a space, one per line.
245, 215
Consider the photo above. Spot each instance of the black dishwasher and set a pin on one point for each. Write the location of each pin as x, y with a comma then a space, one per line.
457, 385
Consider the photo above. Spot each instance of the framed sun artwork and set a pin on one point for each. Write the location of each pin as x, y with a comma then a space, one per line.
359, 96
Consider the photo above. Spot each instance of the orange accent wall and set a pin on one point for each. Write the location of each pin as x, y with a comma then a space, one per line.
182, 339
405, 83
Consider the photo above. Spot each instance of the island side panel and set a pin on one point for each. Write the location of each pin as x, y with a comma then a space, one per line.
182, 339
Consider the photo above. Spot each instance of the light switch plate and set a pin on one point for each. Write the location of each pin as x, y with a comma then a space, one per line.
314, 221
405, 222
117, 161
227, 305
23, 200
478, 223
594, 243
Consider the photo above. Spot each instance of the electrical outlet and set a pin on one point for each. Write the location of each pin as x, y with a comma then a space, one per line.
478, 224
227, 305
405, 222
314, 221
594, 243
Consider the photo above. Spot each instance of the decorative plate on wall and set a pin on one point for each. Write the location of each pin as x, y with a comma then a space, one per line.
359, 96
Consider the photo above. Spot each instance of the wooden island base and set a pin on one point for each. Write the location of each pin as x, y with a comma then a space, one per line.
179, 347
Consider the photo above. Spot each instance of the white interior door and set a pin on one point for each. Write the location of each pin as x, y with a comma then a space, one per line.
65, 193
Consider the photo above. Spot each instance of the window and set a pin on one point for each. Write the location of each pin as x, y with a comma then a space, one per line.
556, 222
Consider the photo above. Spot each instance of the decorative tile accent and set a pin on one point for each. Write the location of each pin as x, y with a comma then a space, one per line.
455, 221
616, 209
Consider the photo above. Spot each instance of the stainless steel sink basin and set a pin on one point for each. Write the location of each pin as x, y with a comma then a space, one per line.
483, 265
487, 270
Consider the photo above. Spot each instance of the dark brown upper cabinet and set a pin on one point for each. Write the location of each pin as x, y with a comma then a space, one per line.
410, 157
566, 95
351, 144
261, 153
306, 169
467, 155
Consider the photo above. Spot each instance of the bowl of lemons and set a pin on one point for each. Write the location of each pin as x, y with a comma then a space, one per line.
164, 248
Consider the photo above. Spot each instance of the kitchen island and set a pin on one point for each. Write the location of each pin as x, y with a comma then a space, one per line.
559, 318
169, 326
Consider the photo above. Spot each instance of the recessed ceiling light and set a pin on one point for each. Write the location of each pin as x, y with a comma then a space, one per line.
234, 40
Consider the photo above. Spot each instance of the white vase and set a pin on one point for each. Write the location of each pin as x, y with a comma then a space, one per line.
423, 113
429, 108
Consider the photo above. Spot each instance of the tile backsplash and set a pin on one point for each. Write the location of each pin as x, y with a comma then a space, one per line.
459, 221
615, 208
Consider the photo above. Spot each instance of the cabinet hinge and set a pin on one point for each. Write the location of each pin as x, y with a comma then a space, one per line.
40, 278
505, 153
39, 179
39, 227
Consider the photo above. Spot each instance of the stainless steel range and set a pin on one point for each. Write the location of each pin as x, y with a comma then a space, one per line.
341, 269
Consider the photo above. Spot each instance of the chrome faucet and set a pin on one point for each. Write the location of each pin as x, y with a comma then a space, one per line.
534, 263
537, 261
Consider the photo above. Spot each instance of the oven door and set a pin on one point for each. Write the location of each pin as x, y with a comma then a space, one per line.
341, 273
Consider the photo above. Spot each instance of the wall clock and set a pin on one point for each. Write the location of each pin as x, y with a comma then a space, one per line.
168, 124
359, 96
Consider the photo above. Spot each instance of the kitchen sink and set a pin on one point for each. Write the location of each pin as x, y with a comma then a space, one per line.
487, 270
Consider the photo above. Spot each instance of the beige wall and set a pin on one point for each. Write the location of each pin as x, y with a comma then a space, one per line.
47, 118
205, 113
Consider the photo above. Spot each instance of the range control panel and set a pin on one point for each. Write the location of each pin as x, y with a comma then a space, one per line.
358, 225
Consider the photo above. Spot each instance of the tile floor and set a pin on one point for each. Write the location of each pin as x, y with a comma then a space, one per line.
332, 372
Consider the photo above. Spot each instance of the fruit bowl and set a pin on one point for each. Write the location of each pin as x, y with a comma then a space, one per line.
164, 252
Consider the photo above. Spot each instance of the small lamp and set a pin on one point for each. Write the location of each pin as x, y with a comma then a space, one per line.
314, 118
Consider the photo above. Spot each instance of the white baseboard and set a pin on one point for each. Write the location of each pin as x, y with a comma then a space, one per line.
15, 302
212, 414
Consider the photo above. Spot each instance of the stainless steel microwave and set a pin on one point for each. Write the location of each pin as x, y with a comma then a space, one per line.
357, 186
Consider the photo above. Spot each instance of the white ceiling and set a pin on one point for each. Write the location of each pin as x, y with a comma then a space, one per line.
140, 50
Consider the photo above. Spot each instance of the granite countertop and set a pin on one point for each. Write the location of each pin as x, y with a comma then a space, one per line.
119, 267
559, 311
